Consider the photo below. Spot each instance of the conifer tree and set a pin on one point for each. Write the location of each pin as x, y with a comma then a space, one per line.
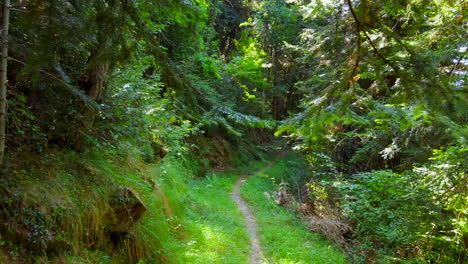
3, 77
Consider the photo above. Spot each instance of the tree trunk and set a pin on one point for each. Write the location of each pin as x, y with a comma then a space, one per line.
97, 77
465, 248
3, 77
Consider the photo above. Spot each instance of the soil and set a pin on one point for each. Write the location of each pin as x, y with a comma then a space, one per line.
256, 255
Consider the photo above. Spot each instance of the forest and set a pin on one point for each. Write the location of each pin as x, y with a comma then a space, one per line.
234, 131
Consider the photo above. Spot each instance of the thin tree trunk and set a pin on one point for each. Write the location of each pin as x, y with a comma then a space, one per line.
465, 248
98, 75
3, 77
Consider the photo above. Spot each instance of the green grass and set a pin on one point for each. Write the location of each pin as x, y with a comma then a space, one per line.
284, 238
190, 220
216, 228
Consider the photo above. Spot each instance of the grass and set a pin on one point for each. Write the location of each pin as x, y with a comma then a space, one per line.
217, 232
190, 220
284, 238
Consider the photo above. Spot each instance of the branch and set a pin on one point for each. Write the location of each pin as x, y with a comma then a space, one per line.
72, 89
179, 79
358, 58
369, 39
455, 66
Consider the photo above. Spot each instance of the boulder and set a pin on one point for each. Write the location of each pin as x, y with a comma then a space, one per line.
127, 208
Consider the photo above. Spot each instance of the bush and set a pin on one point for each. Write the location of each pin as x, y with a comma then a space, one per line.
414, 216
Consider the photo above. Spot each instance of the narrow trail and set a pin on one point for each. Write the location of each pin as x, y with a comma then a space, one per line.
255, 249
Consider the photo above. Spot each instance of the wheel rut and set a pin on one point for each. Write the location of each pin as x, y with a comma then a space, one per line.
256, 255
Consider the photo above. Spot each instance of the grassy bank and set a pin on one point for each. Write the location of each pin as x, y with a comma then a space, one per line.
63, 202
189, 219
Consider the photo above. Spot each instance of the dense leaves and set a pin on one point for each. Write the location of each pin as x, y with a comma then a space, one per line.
386, 86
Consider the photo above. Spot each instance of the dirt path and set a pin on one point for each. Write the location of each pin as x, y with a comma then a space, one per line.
255, 249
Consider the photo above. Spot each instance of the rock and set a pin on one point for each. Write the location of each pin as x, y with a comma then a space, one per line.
127, 209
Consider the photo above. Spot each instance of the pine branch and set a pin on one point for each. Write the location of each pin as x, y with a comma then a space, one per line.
394, 67
88, 101
170, 71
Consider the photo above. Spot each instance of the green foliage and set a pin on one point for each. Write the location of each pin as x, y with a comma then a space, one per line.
445, 178
382, 93
368, 89
410, 216
160, 69
22, 122
138, 113
247, 71
380, 74
388, 212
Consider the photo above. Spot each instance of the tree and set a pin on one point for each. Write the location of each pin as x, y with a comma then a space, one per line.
3, 77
